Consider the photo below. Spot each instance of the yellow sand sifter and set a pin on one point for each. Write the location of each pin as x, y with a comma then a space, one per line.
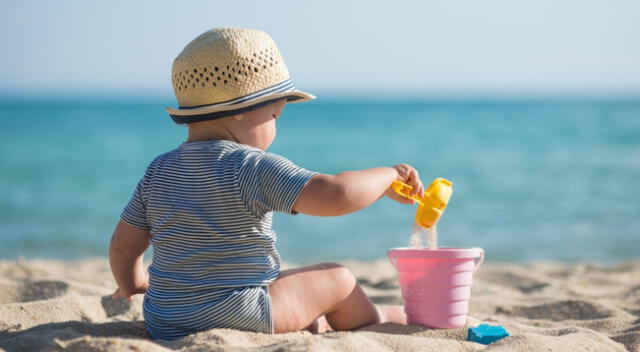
431, 206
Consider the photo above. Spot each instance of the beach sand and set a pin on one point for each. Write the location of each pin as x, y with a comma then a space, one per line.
56, 305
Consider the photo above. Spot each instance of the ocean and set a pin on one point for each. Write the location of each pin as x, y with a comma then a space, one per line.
533, 180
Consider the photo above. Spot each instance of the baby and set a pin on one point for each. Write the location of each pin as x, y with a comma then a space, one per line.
206, 207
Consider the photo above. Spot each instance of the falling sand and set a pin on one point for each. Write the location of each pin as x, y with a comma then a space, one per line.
421, 235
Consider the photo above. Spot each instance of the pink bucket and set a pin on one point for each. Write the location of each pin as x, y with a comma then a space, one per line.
436, 284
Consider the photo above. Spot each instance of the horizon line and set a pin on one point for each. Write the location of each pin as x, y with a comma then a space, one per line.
325, 95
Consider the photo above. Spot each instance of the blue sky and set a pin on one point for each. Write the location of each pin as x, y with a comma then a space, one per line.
442, 48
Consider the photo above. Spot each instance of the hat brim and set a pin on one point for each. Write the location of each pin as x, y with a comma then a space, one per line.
216, 111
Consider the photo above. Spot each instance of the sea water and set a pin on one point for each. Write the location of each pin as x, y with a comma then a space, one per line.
68, 168
422, 237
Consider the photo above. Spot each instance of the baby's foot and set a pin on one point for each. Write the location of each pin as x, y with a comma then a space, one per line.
392, 314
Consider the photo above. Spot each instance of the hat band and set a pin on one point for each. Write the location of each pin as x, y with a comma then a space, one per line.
182, 119
284, 86
207, 114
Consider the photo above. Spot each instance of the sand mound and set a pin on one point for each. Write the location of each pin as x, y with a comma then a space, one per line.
33, 291
66, 306
562, 310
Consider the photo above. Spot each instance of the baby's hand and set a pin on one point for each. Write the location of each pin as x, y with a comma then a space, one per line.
120, 293
408, 175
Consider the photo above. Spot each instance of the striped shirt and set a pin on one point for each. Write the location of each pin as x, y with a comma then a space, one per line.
208, 206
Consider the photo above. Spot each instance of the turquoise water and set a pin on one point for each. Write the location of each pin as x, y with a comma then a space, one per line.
532, 180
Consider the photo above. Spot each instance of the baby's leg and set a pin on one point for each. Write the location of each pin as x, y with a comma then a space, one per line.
299, 296
388, 314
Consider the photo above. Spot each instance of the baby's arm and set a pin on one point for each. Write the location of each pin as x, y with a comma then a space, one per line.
346, 192
126, 249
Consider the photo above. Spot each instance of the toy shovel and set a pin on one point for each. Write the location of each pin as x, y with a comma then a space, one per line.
431, 206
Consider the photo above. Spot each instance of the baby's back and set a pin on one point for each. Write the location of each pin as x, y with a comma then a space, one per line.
208, 207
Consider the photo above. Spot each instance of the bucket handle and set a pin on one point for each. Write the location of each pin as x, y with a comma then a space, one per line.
480, 260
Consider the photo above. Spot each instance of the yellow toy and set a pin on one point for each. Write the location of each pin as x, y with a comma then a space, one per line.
431, 206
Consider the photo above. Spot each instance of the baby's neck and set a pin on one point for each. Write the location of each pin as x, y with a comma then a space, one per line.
202, 131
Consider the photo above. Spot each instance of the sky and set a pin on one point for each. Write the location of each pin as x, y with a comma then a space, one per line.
360, 47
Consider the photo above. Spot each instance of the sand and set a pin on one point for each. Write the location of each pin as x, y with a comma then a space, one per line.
48, 305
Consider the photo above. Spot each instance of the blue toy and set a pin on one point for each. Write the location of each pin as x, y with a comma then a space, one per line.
486, 334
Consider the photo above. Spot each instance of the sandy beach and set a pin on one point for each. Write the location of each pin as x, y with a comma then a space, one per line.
66, 306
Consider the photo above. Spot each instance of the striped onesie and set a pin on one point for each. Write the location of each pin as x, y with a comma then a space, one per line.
208, 206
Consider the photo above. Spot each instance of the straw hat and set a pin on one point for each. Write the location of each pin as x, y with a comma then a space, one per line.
228, 71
